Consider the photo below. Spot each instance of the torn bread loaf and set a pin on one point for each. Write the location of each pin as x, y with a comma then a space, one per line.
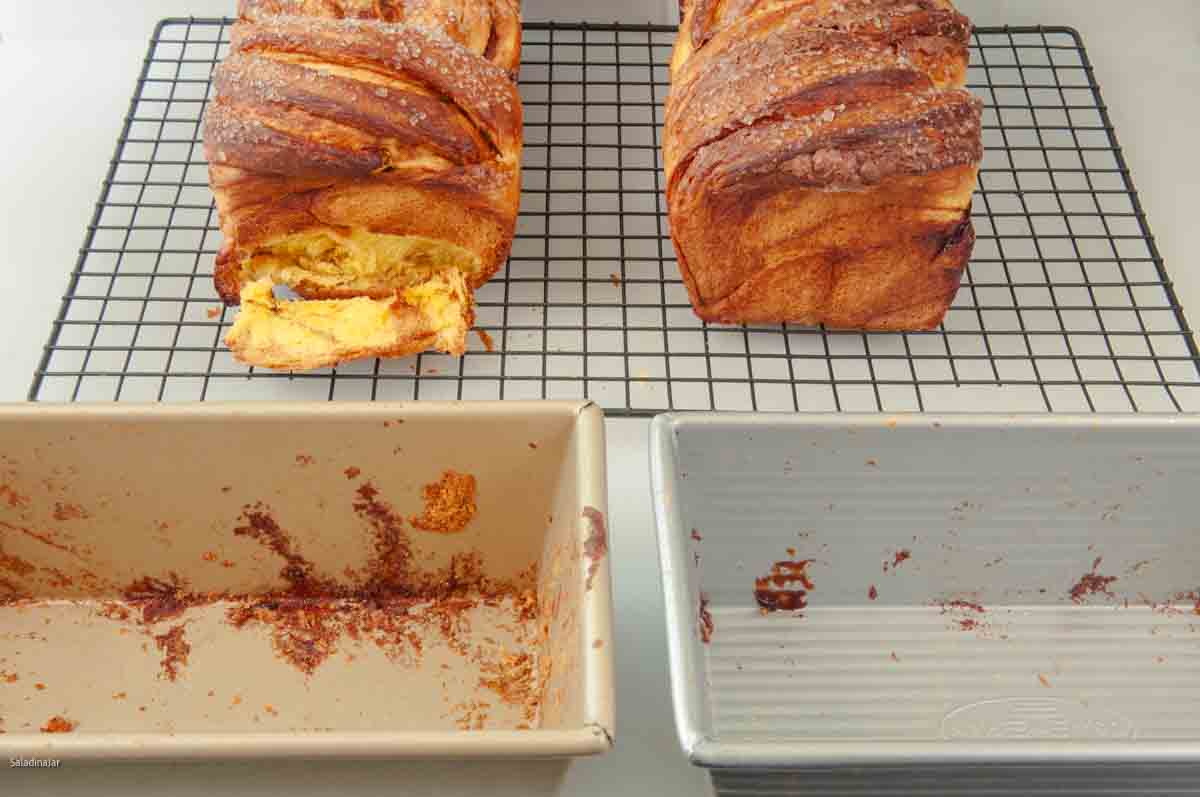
821, 157
371, 168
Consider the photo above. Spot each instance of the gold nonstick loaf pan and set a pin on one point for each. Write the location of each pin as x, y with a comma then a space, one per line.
199, 581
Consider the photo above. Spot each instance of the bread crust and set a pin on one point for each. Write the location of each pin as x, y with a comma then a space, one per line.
489, 28
817, 172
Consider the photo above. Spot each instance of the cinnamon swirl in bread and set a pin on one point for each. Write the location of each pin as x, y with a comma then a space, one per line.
821, 157
371, 167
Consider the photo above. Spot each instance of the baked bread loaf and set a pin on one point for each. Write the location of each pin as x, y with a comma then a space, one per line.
373, 169
821, 156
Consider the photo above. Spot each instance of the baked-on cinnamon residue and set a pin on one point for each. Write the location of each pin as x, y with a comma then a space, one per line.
706, 620
873, 593
57, 724
1092, 583
772, 591
449, 504
391, 604
961, 607
175, 649
352, 472
160, 600
69, 512
902, 555
596, 545
12, 497
15, 564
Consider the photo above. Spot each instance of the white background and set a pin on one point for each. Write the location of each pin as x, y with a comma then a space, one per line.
66, 74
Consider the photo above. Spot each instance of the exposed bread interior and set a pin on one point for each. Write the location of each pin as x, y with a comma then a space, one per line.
328, 263
289, 334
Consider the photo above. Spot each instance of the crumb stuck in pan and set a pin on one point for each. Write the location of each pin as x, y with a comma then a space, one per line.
777, 591
706, 620
1092, 583
596, 546
900, 557
59, 724
449, 504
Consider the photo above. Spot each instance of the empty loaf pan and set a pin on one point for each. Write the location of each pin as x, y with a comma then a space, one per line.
883, 605
304, 579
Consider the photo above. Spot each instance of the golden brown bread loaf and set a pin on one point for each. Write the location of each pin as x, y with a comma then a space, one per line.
371, 167
821, 156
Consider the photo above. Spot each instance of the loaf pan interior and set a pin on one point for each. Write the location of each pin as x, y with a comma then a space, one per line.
978, 589
223, 580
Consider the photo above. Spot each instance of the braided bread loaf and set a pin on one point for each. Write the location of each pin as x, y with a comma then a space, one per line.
821, 157
373, 168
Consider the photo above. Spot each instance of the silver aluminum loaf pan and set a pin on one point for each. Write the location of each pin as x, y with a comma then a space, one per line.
997, 603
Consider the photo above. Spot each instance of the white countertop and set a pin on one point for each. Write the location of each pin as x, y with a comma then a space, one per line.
66, 75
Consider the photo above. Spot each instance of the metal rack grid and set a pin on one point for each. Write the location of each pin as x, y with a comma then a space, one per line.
1066, 305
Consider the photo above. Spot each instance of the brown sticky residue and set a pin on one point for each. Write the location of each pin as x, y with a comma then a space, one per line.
226, 489
41, 687
175, 649
15, 564
227, 563
596, 645
352, 473
963, 606
305, 459
159, 599
271, 710
1092, 583
58, 724
46, 538
596, 546
776, 591
236, 700
872, 463
12, 497
209, 556
965, 615
489, 345
9, 677
513, 678
696, 536
615, 279
119, 695
213, 312
69, 512
533, 445
898, 558
873, 593
1043, 680
449, 504
391, 605
706, 620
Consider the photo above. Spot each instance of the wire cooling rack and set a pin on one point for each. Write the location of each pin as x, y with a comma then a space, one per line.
1066, 305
